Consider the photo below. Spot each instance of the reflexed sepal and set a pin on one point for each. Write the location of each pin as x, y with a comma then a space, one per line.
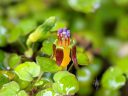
73, 55
59, 55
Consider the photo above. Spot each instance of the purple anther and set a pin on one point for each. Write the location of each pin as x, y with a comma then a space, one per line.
68, 33
60, 31
65, 30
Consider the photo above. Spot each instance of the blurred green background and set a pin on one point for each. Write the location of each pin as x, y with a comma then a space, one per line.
99, 26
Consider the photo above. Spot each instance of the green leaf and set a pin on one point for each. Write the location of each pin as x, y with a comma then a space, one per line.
29, 52
23, 84
26, 71
13, 60
9, 89
5, 77
39, 82
82, 59
47, 64
122, 63
47, 47
85, 5
47, 82
66, 84
113, 78
95, 68
22, 93
84, 76
61, 74
47, 92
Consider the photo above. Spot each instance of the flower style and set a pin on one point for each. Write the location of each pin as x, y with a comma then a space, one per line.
64, 49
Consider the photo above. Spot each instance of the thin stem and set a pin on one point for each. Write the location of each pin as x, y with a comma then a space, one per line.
21, 44
39, 77
69, 69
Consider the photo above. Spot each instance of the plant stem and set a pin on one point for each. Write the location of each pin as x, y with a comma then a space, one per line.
39, 77
69, 69
21, 44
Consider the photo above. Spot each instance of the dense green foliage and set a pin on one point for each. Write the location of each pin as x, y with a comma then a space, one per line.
27, 33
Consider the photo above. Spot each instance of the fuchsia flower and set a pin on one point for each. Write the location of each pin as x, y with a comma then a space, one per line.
64, 49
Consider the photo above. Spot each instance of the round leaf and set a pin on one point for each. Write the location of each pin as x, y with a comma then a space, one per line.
113, 78
22, 93
47, 92
9, 89
47, 65
84, 76
61, 74
26, 71
47, 47
67, 84
14, 59
122, 63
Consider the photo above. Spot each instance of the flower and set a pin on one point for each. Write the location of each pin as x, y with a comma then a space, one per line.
64, 49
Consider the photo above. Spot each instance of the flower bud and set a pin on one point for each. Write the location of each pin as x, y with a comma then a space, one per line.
64, 49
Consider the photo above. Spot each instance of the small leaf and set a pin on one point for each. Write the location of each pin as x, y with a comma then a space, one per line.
82, 59
84, 76
113, 78
47, 47
5, 77
29, 52
13, 60
47, 92
9, 89
61, 74
66, 84
39, 82
47, 65
23, 84
26, 71
122, 63
22, 93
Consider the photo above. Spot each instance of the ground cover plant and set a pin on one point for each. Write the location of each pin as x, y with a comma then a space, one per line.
63, 48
